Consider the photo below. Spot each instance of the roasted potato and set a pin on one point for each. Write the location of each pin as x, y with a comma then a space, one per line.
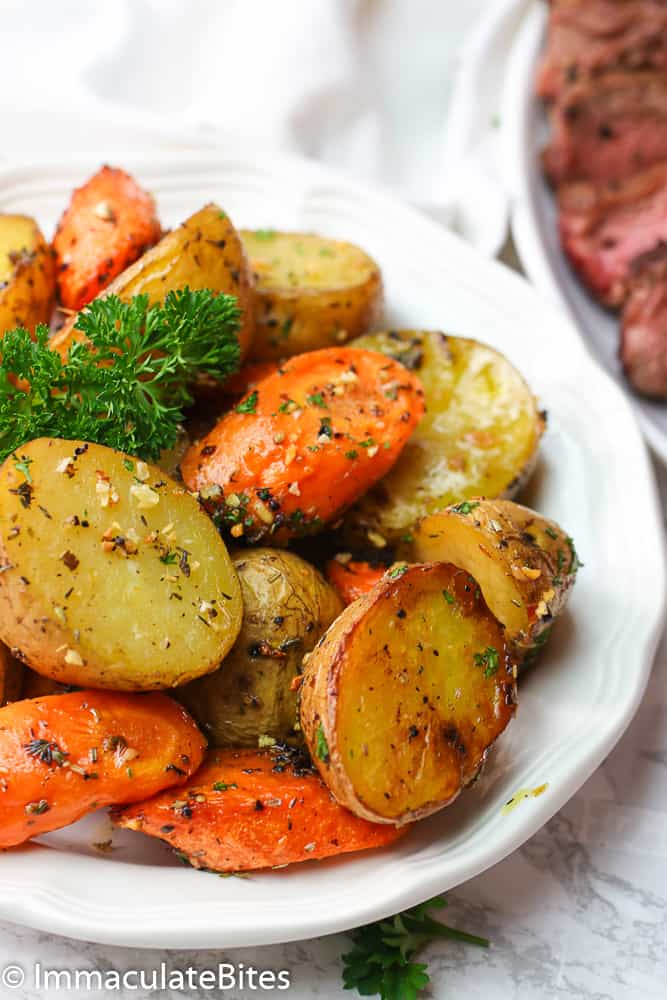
287, 605
479, 437
11, 676
525, 565
204, 252
310, 292
27, 274
406, 692
113, 576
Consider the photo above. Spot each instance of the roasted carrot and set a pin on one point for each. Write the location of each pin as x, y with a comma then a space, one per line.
63, 755
353, 579
108, 224
305, 443
248, 809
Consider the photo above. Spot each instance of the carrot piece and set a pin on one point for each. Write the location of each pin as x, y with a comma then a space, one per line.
248, 809
108, 224
63, 755
353, 579
305, 443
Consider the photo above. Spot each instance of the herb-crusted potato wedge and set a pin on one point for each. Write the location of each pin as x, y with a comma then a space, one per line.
113, 576
406, 692
246, 809
525, 564
287, 605
479, 437
64, 755
204, 252
11, 676
310, 292
27, 274
305, 443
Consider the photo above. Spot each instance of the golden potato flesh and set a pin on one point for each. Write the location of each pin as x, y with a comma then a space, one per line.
204, 252
113, 576
406, 692
287, 605
310, 292
525, 564
479, 437
27, 274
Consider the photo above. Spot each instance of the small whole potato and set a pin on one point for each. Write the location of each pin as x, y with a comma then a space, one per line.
287, 606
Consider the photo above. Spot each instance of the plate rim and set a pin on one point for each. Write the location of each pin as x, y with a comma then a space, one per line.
47, 907
518, 94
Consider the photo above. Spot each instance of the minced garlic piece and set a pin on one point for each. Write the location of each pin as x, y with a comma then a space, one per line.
65, 464
73, 658
144, 495
376, 539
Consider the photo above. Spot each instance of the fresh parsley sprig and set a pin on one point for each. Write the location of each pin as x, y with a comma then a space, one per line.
380, 963
128, 383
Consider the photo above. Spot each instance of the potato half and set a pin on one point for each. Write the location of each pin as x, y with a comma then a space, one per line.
27, 274
479, 437
287, 605
525, 564
113, 576
310, 292
406, 692
204, 252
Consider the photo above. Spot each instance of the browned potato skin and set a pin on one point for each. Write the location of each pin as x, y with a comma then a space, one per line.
204, 252
27, 274
287, 605
11, 676
525, 564
291, 319
427, 713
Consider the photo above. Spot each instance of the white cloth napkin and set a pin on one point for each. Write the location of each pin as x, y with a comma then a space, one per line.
366, 85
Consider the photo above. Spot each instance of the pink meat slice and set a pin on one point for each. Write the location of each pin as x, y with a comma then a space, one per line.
605, 227
589, 37
644, 329
608, 128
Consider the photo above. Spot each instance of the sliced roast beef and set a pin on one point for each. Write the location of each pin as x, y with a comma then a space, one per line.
608, 128
644, 336
605, 227
589, 37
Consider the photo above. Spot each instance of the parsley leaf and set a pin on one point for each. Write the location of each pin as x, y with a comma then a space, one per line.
489, 659
380, 962
321, 745
465, 508
127, 383
249, 404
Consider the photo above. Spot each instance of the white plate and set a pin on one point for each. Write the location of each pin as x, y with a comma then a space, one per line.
594, 477
534, 221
